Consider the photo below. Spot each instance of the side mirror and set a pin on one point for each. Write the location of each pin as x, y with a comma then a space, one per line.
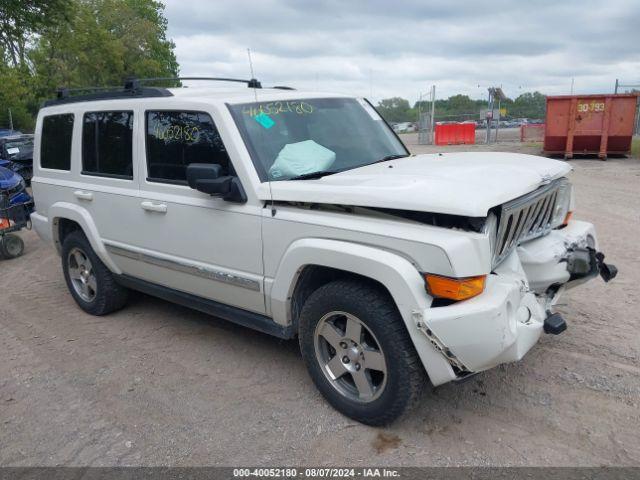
207, 178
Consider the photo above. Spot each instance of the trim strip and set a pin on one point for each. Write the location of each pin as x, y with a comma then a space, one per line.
188, 268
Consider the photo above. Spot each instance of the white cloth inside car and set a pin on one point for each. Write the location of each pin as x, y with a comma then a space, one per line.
299, 158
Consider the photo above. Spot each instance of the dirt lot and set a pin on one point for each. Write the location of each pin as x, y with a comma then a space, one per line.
158, 384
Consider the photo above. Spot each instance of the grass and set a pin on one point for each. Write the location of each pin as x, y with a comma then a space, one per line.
635, 147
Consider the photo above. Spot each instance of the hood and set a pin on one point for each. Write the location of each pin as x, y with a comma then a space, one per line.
24, 155
467, 184
8, 178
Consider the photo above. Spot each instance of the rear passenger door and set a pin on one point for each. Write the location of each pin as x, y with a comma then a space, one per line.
187, 240
108, 187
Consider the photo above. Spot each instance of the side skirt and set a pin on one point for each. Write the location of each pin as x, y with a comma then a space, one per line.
242, 317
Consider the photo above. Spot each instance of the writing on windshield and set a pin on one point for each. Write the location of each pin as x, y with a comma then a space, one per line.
293, 138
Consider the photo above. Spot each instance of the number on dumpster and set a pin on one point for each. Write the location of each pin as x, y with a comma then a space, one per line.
591, 107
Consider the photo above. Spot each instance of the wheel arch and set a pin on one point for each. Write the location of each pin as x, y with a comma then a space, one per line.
313, 276
330, 259
67, 217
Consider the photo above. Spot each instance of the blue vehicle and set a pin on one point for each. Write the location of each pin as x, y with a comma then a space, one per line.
16, 153
15, 207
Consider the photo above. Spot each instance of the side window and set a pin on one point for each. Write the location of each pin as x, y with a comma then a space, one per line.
55, 141
176, 139
107, 147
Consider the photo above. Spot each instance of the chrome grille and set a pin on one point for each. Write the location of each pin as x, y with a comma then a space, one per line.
525, 218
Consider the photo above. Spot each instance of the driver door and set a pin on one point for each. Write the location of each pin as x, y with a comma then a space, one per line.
187, 240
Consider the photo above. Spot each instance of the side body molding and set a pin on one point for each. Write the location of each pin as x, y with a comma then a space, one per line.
395, 272
79, 215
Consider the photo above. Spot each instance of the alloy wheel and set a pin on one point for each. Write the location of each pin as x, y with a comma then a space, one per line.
82, 275
350, 356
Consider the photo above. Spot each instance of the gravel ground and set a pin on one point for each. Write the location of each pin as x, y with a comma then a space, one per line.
158, 384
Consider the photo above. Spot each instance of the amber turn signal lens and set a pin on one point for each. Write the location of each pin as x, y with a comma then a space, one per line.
567, 218
454, 288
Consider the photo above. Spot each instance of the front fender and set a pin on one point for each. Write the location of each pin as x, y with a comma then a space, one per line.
69, 211
397, 274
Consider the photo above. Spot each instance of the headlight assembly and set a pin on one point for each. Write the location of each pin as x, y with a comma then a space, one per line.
491, 230
562, 209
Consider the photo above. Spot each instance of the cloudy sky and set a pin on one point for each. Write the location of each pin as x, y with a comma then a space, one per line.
380, 49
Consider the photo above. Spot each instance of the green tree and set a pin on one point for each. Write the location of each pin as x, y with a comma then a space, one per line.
15, 96
105, 42
45, 44
21, 19
455, 108
528, 105
395, 109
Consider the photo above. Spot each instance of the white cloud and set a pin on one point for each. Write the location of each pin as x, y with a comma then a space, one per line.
398, 48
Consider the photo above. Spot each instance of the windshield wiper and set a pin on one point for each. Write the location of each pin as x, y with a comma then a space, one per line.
323, 173
313, 175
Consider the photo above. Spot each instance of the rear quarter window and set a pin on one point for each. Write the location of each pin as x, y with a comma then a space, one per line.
55, 141
107, 144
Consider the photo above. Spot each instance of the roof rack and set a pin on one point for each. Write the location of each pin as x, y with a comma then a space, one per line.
251, 83
132, 88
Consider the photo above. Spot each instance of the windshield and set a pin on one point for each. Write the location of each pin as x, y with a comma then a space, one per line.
293, 138
13, 147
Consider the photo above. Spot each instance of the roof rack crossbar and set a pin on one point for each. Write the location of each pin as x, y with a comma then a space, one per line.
133, 88
64, 92
252, 83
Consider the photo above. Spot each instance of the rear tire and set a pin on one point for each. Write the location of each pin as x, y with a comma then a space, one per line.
90, 282
378, 375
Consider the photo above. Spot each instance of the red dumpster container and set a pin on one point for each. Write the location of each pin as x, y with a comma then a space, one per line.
455, 134
589, 124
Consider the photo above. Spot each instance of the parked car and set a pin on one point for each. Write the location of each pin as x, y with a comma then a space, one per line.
404, 127
15, 206
5, 132
301, 214
16, 153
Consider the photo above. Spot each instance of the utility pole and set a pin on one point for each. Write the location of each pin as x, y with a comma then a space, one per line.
10, 121
494, 93
617, 84
498, 120
433, 110
419, 116
489, 116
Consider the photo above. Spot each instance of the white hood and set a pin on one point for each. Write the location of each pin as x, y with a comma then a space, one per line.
466, 184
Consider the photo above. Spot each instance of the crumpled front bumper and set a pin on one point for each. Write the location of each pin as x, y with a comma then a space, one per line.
507, 319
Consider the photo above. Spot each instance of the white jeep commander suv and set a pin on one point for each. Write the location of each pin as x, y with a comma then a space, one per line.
303, 215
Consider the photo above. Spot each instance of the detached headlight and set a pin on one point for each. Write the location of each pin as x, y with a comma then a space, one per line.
562, 210
491, 230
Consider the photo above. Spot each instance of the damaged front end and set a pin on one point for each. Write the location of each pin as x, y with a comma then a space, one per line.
585, 263
564, 259
506, 320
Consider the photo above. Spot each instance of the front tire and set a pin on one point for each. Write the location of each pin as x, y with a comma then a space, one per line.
90, 282
358, 352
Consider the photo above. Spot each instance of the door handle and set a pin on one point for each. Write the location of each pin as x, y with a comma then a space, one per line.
82, 195
154, 207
